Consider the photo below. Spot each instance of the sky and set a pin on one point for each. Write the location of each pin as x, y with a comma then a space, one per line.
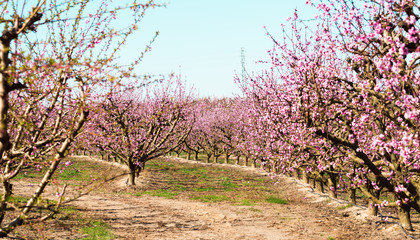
202, 39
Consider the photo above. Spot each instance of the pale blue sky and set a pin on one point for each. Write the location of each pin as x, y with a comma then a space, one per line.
202, 39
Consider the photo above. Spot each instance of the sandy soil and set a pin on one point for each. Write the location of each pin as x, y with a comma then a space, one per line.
307, 216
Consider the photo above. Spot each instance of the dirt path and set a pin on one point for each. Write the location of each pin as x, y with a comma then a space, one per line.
158, 218
305, 216
148, 217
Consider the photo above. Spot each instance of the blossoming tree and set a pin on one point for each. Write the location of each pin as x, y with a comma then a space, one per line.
137, 125
345, 105
53, 55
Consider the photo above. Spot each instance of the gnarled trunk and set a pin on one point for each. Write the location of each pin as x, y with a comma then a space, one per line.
319, 184
305, 177
132, 174
262, 165
296, 174
404, 217
352, 196
332, 185
226, 158
372, 208
208, 158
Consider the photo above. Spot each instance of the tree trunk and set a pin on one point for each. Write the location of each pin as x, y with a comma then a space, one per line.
226, 158
319, 185
196, 156
404, 217
352, 196
296, 174
372, 208
246, 161
7, 192
131, 178
188, 155
132, 175
237, 159
305, 177
254, 163
208, 158
332, 186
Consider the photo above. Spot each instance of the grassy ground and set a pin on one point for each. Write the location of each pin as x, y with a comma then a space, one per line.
208, 184
77, 173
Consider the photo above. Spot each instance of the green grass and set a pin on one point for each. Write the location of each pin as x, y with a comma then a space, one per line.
165, 193
195, 171
68, 213
255, 210
211, 198
16, 199
276, 200
68, 210
228, 184
97, 231
208, 184
70, 174
160, 165
345, 206
26, 175
203, 176
246, 202
204, 189
79, 171
179, 187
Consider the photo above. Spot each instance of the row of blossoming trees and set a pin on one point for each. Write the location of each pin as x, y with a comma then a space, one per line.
344, 108
340, 105
347, 104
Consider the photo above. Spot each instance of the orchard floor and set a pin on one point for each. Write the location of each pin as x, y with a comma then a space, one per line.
169, 204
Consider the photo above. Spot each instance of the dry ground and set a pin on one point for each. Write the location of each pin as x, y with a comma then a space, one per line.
179, 199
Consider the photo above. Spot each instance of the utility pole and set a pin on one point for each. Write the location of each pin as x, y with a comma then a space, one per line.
243, 65
245, 74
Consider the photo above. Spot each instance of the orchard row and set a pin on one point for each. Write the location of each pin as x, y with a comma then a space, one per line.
340, 104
